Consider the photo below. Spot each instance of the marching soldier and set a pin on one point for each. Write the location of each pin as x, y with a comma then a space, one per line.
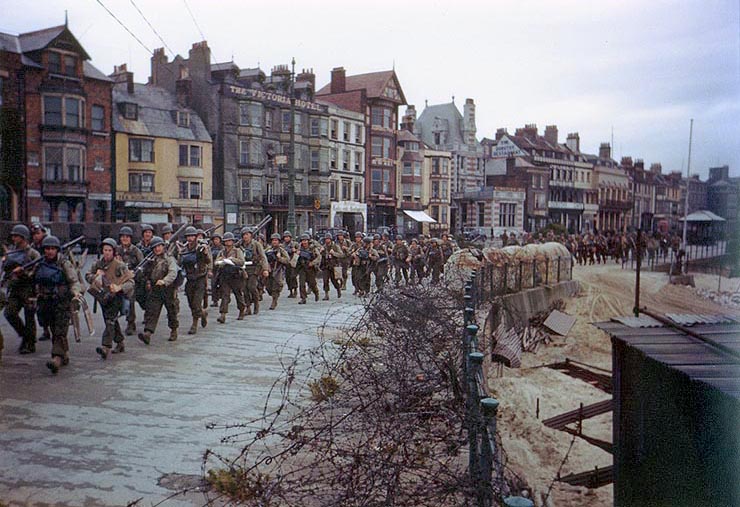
435, 259
147, 233
38, 233
56, 285
145, 247
362, 259
231, 277
111, 283
195, 259
401, 260
381, 265
216, 249
166, 234
19, 284
159, 276
353, 249
278, 260
416, 254
291, 277
307, 262
128, 253
345, 244
331, 256
255, 265
448, 247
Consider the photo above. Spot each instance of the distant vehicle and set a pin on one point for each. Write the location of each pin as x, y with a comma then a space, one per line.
475, 234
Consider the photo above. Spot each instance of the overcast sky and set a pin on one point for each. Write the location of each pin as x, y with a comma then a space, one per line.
641, 68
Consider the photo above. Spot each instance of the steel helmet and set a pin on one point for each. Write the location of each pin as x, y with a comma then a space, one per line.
167, 228
190, 231
246, 230
216, 235
125, 231
275, 236
305, 237
21, 230
36, 226
367, 239
146, 227
110, 242
287, 234
51, 242
377, 236
358, 234
399, 238
199, 232
228, 236
156, 240
328, 236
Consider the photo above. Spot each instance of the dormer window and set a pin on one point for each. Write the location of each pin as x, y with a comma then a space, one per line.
183, 119
55, 63
62, 64
130, 111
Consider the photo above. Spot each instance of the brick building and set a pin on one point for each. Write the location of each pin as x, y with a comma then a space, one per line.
614, 190
56, 162
377, 96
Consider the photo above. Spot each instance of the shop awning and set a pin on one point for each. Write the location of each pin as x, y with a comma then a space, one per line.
703, 216
420, 216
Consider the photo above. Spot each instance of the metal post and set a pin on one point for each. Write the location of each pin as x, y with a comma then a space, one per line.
291, 223
489, 408
475, 359
472, 330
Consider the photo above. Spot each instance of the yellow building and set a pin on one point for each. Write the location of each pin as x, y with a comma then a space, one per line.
163, 156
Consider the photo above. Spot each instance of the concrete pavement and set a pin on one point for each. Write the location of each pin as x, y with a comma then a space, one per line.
103, 433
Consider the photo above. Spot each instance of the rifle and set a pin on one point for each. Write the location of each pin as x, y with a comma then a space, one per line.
173, 240
212, 229
257, 228
146, 260
68, 244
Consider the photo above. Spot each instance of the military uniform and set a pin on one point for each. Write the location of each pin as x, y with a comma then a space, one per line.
401, 261
332, 255
291, 275
132, 257
278, 261
255, 263
417, 261
140, 291
163, 269
196, 262
231, 278
215, 289
307, 262
345, 262
435, 260
381, 265
357, 245
362, 259
20, 296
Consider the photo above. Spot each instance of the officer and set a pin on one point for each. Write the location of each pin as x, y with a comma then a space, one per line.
307, 262
56, 284
331, 257
362, 260
19, 283
401, 260
231, 277
195, 259
132, 257
160, 275
277, 259
216, 248
291, 277
345, 244
255, 265
112, 284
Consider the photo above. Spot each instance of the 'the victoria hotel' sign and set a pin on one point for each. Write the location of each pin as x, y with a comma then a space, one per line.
264, 96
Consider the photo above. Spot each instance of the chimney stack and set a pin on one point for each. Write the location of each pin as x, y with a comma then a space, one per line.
605, 151
122, 75
338, 80
529, 131
158, 59
551, 134
308, 76
469, 128
200, 61
409, 119
184, 87
500, 133
655, 167
574, 142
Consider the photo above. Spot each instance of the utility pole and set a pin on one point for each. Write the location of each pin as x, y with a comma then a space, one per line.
686, 205
291, 224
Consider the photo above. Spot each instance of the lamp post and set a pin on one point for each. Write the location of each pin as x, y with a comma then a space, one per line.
291, 224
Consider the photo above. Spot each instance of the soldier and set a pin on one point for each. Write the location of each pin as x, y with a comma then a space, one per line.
331, 255
160, 275
435, 259
56, 285
145, 247
231, 277
111, 283
401, 260
38, 233
448, 246
416, 254
166, 234
216, 249
147, 233
128, 253
307, 262
277, 259
255, 265
195, 258
19, 284
381, 265
291, 277
357, 245
345, 244
362, 259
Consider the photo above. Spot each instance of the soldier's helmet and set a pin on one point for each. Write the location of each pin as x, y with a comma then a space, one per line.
36, 226
377, 236
216, 234
246, 230
386, 234
340, 233
146, 227
110, 242
228, 236
190, 231
20, 230
414, 240
399, 238
275, 236
437, 241
156, 240
328, 236
367, 239
305, 237
167, 228
51, 242
287, 234
125, 231
358, 234
200, 232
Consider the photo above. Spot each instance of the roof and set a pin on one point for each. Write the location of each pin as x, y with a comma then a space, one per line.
703, 216
405, 135
372, 82
156, 116
93, 73
446, 117
698, 360
40, 39
216, 67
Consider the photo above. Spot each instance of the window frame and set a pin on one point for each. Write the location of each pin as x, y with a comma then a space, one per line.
132, 141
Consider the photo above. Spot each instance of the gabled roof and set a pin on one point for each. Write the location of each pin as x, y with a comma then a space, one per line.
446, 114
373, 83
40, 39
216, 67
405, 135
156, 114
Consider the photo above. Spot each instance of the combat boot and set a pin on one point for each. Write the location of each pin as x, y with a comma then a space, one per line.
339, 292
194, 328
145, 337
257, 306
242, 313
46, 336
27, 347
103, 352
292, 294
316, 295
54, 364
326, 296
120, 348
131, 329
173, 335
248, 310
221, 319
204, 319
302, 301
274, 303
65, 359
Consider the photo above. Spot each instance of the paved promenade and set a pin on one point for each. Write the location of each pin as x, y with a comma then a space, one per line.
104, 433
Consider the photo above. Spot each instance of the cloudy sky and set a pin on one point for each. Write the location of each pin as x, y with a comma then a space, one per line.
640, 69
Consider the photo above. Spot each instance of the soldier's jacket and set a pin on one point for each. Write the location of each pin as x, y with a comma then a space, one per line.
331, 255
363, 256
416, 253
383, 251
290, 247
163, 267
346, 246
435, 255
215, 251
400, 253
55, 279
236, 256
309, 257
23, 281
144, 249
117, 268
277, 258
448, 248
130, 255
196, 261
254, 257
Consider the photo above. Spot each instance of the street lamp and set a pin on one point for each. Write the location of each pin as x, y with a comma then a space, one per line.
291, 225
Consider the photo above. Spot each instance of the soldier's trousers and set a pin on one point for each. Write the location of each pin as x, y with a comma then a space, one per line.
131, 317
436, 271
231, 285
291, 278
275, 284
111, 311
195, 290
158, 297
215, 289
417, 271
402, 269
25, 328
345, 272
251, 289
330, 276
55, 314
361, 278
307, 276
381, 273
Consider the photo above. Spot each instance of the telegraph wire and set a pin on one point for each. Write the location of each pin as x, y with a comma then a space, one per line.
152, 27
195, 22
124, 27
